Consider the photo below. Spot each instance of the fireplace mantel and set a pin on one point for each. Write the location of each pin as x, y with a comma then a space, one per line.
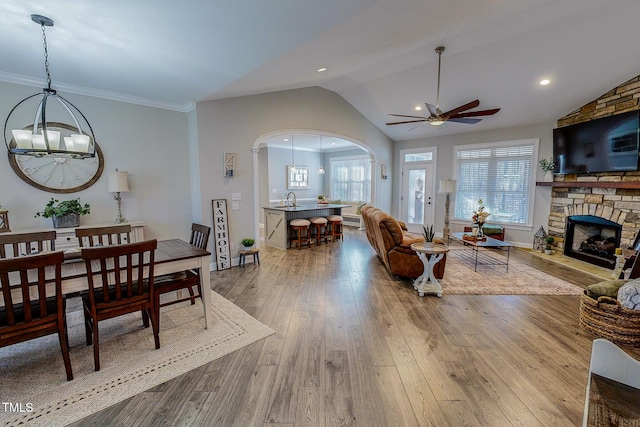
590, 184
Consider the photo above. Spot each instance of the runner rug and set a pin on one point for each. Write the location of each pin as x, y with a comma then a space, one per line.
492, 278
34, 390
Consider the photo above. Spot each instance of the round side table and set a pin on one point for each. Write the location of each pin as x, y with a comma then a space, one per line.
427, 282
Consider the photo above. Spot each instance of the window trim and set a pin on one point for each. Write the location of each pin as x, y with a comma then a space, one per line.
532, 187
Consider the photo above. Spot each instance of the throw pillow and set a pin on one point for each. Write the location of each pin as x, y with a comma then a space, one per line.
629, 295
607, 288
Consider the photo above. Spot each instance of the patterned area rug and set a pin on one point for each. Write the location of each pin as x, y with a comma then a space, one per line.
491, 276
34, 381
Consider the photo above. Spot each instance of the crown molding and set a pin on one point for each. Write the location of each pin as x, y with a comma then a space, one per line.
96, 93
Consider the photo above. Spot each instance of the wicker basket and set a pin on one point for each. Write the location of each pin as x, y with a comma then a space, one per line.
66, 221
608, 319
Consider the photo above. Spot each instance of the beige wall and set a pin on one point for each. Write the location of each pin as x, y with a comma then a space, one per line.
445, 164
235, 124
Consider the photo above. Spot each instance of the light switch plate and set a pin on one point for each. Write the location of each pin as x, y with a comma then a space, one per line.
236, 196
235, 206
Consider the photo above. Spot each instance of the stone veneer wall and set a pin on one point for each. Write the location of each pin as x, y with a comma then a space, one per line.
620, 205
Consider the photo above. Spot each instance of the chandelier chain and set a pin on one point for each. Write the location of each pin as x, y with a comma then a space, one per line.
46, 56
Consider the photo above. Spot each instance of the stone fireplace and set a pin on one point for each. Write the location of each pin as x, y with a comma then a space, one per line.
596, 206
611, 199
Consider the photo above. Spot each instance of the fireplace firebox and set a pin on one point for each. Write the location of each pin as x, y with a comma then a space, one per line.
592, 239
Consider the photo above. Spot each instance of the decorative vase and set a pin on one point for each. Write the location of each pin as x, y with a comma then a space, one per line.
428, 244
548, 176
480, 225
474, 230
66, 221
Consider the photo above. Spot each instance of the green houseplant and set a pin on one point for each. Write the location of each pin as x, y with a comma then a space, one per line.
548, 250
428, 234
66, 213
247, 242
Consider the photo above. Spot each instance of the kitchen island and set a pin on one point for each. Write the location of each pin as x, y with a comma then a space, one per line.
276, 220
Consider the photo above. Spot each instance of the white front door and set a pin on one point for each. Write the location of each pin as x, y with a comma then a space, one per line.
417, 195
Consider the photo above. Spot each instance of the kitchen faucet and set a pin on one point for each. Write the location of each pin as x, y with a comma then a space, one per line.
289, 203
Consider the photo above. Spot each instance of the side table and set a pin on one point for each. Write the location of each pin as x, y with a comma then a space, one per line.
243, 255
430, 256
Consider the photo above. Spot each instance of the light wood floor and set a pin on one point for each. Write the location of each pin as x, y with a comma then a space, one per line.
356, 347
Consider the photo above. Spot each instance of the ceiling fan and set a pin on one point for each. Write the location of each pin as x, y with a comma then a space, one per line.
437, 117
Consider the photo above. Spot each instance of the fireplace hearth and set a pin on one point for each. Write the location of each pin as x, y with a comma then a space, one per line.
592, 239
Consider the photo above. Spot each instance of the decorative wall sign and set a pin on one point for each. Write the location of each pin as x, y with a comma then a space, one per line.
221, 234
297, 177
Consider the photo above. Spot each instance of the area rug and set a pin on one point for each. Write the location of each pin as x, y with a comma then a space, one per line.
521, 279
33, 379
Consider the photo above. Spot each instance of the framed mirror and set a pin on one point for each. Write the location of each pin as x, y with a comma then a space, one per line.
298, 177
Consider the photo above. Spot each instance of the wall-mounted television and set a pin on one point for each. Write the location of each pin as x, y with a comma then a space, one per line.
608, 144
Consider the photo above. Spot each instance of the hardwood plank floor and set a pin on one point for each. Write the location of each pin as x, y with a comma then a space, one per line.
357, 347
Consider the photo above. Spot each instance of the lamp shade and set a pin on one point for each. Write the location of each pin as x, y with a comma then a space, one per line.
447, 186
118, 182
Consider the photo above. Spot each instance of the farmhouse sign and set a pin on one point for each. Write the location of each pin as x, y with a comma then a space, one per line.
221, 234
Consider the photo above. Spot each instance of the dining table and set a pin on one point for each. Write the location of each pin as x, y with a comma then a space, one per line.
171, 256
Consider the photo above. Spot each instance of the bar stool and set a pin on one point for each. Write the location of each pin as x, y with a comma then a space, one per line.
298, 228
335, 226
318, 223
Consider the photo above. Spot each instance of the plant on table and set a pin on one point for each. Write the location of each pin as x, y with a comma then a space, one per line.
57, 208
247, 242
480, 215
428, 233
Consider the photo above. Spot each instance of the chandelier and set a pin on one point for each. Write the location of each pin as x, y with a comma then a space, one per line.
48, 136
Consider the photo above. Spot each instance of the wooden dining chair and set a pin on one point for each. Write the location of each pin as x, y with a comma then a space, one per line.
120, 279
43, 312
104, 236
184, 280
21, 244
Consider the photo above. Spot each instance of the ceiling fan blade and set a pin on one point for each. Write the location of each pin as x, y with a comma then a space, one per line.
468, 106
475, 113
433, 110
413, 117
467, 121
408, 121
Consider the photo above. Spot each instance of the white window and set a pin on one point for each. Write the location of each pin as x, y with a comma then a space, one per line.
502, 175
351, 179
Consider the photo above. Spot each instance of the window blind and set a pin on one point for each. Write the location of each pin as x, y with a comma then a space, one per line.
500, 176
351, 179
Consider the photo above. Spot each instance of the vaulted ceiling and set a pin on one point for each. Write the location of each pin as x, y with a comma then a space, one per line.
379, 54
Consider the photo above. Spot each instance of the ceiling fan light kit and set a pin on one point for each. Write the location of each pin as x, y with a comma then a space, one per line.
437, 117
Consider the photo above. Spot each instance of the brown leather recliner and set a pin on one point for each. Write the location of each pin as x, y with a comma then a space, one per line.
392, 242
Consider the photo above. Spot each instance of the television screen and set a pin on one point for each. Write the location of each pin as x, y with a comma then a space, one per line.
609, 144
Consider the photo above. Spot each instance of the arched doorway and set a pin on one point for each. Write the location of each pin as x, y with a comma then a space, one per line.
260, 178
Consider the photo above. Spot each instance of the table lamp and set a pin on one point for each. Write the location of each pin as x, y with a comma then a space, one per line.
118, 184
446, 186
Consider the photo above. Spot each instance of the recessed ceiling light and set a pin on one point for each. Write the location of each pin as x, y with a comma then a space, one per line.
544, 82
286, 140
333, 143
322, 69
418, 108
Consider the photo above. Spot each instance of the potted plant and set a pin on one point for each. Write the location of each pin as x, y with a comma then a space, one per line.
428, 234
547, 167
548, 250
247, 242
322, 200
66, 213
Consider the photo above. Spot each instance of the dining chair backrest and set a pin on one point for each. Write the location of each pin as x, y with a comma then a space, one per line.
30, 306
200, 235
21, 244
38, 309
104, 236
125, 271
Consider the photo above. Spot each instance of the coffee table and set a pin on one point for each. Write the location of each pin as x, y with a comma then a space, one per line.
488, 243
